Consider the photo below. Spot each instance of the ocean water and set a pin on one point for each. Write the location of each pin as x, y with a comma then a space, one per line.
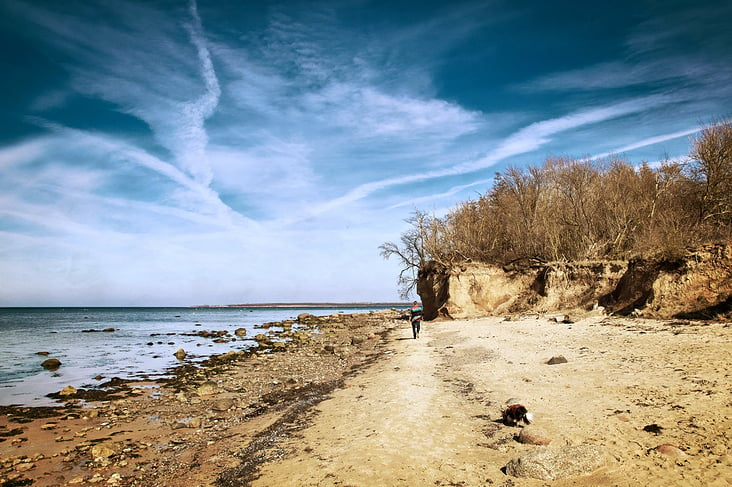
141, 347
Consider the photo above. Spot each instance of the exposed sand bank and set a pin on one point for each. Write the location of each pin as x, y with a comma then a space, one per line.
427, 412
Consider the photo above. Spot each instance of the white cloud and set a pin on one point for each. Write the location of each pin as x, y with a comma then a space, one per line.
22, 153
657, 139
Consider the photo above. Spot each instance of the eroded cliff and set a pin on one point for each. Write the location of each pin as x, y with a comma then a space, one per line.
697, 284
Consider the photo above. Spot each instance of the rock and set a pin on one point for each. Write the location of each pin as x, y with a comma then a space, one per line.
105, 450
208, 388
670, 450
563, 319
240, 332
531, 435
551, 464
263, 340
180, 354
68, 391
45, 354
51, 364
109, 330
24, 467
357, 340
653, 428
559, 359
223, 404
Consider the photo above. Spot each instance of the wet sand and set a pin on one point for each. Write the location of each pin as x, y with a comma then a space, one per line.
362, 403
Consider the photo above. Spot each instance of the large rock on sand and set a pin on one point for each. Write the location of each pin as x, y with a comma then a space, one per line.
546, 463
531, 435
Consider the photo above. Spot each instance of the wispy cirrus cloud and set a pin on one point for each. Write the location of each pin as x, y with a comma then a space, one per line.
525, 140
140, 65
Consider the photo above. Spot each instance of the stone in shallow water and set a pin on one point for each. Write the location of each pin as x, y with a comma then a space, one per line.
51, 364
556, 463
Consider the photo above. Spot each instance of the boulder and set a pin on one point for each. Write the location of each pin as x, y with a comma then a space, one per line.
51, 364
546, 463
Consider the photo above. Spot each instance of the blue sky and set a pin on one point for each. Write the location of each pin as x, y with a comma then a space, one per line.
179, 153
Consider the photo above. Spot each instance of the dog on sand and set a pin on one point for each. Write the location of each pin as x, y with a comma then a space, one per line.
515, 414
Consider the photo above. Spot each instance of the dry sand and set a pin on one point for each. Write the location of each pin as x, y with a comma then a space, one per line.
428, 415
427, 412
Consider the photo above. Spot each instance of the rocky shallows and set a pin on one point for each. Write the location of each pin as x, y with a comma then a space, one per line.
184, 430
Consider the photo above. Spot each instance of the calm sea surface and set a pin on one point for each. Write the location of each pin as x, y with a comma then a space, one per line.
141, 347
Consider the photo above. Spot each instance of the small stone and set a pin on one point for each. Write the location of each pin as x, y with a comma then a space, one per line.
558, 359
180, 354
240, 332
223, 404
24, 467
105, 450
114, 479
68, 391
48, 426
208, 388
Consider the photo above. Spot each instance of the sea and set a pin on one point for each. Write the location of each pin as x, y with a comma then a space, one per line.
141, 347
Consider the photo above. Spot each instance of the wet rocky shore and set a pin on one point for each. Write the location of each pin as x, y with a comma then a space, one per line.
212, 423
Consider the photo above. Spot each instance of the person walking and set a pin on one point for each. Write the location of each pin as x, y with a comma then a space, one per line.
415, 316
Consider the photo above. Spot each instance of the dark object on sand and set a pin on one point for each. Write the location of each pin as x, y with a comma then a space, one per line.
516, 413
653, 428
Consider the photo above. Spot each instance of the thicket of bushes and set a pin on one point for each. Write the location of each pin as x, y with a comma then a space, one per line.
569, 210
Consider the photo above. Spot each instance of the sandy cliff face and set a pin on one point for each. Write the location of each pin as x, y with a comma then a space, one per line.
696, 285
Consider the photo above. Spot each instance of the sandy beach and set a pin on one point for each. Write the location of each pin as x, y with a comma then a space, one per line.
362, 403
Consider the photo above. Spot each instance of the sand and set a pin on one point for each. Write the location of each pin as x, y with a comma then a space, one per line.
427, 412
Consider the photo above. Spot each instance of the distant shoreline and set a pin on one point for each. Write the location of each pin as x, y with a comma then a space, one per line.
302, 305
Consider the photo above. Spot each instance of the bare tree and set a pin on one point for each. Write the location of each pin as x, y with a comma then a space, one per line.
711, 166
572, 209
411, 252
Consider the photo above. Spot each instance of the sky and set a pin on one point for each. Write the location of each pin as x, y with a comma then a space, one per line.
185, 152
